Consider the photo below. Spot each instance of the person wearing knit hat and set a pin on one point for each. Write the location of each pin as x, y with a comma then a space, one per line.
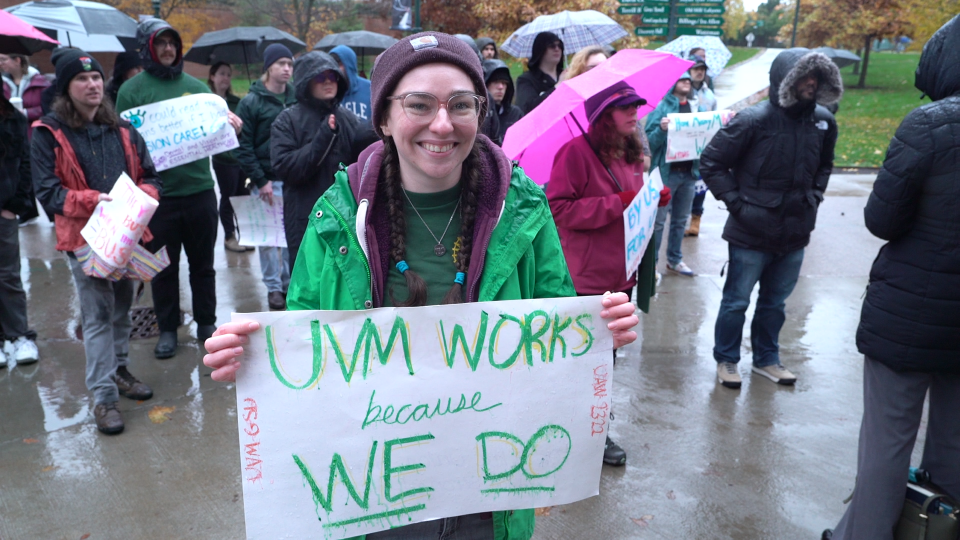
125, 66
78, 152
424, 204
187, 215
274, 52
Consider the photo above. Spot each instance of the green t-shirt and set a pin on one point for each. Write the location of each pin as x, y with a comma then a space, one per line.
143, 89
437, 272
282, 98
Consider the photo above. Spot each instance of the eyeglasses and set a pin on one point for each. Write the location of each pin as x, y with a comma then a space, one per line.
164, 43
326, 76
422, 108
556, 45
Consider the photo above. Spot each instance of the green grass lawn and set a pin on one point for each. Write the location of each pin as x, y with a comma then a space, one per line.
868, 117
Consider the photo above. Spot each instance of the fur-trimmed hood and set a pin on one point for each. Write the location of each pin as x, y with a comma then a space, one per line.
794, 64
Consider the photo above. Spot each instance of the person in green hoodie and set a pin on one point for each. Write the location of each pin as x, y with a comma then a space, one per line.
431, 167
187, 216
268, 97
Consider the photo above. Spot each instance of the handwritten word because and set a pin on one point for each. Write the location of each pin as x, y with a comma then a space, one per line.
420, 412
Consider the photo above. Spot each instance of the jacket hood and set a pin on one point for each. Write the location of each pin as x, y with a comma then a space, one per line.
146, 32
491, 67
496, 170
540, 44
794, 64
309, 66
470, 43
484, 41
938, 74
349, 60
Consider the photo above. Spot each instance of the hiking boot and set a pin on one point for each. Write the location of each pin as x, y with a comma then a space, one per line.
681, 268
232, 244
694, 228
109, 420
276, 301
776, 373
166, 346
205, 332
130, 387
22, 351
613, 454
728, 375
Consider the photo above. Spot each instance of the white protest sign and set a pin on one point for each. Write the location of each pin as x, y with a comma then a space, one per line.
689, 133
183, 129
260, 224
352, 422
117, 225
639, 219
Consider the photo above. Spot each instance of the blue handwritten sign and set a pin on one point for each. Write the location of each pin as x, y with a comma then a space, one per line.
183, 129
639, 219
689, 133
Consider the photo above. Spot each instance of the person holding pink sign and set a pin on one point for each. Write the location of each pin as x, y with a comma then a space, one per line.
77, 154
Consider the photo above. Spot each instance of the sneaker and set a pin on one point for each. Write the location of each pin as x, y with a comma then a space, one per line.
130, 387
109, 420
231, 244
681, 268
659, 278
613, 454
728, 375
776, 373
24, 351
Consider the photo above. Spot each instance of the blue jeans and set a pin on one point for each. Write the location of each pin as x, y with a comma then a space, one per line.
777, 275
681, 197
273, 260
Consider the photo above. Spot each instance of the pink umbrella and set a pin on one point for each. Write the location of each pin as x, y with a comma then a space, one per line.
18, 37
536, 138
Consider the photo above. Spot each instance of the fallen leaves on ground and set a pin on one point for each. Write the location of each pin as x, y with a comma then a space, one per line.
160, 414
48, 468
31, 441
84, 537
545, 511
642, 521
671, 495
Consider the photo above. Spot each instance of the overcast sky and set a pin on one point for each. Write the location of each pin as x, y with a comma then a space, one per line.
751, 5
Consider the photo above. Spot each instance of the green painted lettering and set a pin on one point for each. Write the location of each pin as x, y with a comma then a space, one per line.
337, 466
389, 470
459, 338
586, 332
494, 338
317, 358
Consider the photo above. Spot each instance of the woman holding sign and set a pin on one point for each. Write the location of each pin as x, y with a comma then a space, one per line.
444, 218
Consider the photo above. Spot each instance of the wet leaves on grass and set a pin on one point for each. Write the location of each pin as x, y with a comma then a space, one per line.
160, 414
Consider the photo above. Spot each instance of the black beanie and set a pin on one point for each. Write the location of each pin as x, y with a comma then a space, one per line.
274, 52
72, 63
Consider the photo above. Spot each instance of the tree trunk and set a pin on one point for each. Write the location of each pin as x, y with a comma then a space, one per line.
856, 67
868, 42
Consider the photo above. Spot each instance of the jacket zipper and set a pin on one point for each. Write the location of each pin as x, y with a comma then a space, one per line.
353, 241
329, 147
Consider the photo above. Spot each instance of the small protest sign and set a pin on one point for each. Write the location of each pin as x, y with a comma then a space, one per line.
353, 422
259, 223
183, 129
689, 133
117, 225
639, 219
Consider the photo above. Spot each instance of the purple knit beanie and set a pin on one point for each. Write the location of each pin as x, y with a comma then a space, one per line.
417, 50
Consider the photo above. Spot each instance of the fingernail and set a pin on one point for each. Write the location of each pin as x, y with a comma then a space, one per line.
244, 339
253, 325
238, 350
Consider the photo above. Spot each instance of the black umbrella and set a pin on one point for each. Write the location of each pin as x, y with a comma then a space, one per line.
240, 45
841, 57
362, 42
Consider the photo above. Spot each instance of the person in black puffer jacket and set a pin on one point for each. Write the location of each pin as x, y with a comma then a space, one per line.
546, 66
310, 140
910, 324
770, 166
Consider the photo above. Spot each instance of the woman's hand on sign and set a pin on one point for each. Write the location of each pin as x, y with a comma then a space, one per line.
664, 123
235, 121
103, 197
226, 346
266, 193
618, 310
332, 122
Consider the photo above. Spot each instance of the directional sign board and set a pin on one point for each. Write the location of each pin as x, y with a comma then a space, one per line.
682, 31
650, 31
646, 1
700, 10
699, 21
644, 10
656, 19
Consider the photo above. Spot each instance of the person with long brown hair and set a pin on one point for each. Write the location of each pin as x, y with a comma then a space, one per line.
594, 178
422, 208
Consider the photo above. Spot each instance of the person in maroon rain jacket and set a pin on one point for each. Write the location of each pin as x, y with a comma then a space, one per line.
20, 80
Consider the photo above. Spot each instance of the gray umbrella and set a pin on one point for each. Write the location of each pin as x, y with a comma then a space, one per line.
841, 57
362, 42
239, 45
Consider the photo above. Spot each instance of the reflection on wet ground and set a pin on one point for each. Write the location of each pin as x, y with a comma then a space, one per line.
703, 461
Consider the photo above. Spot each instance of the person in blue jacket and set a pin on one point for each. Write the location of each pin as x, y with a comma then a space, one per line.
357, 98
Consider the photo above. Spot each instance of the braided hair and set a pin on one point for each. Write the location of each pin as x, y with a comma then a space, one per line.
390, 190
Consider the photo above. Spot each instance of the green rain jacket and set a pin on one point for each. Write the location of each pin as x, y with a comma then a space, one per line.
343, 259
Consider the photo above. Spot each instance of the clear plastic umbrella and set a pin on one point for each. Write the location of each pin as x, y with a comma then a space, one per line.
577, 29
717, 53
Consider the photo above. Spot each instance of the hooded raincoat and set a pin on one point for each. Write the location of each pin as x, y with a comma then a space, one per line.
911, 314
770, 165
357, 98
482, 42
305, 153
258, 110
507, 113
